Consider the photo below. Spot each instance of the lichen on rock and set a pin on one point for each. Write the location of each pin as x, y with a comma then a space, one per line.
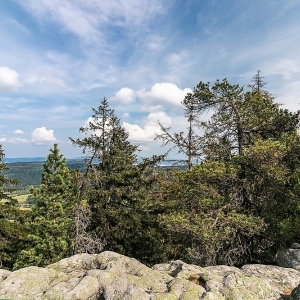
111, 276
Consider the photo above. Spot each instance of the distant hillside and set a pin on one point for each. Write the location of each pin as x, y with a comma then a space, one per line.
29, 170
30, 173
23, 159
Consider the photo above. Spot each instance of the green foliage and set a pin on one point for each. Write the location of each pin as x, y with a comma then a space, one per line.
239, 205
11, 219
203, 215
7, 185
30, 173
116, 186
51, 227
248, 205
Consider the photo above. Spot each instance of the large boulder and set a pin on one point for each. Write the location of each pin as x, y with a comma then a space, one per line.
289, 258
111, 276
224, 282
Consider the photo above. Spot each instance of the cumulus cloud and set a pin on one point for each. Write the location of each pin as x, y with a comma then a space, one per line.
3, 140
41, 136
124, 95
9, 79
164, 92
148, 132
18, 131
154, 102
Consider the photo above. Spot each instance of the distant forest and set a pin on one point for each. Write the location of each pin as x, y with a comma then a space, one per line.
30, 173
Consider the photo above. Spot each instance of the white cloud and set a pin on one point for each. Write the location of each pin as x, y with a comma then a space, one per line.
41, 136
9, 79
161, 116
86, 19
12, 140
18, 131
289, 94
287, 68
139, 134
159, 97
164, 93
124, 95
97, 132
154, 101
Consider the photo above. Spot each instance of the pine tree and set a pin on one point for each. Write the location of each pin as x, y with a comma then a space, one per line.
115, 184
254, 142
52, 224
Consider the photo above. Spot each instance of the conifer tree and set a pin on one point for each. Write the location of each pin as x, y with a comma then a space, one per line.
254, 142
11, 229
52, 224
115, 184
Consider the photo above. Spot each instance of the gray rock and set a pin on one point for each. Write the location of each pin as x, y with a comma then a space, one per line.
295, 295
224, 282
28, 283
4, 274
110, 276
295, 246
289, 258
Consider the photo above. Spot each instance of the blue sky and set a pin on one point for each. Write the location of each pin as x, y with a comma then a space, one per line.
60, 58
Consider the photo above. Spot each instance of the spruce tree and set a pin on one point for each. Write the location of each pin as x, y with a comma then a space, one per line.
116, 185
52, 224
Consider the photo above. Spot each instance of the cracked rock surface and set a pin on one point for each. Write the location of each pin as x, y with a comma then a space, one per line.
111, 276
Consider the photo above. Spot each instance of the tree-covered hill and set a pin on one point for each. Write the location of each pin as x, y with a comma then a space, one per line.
30, 173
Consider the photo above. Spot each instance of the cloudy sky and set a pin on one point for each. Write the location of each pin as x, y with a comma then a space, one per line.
60, 58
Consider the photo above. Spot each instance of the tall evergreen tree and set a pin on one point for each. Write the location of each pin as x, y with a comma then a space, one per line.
11, 218
52, 224
116, 185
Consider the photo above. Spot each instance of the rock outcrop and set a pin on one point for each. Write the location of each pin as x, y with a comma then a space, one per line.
109, 275
289, 258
